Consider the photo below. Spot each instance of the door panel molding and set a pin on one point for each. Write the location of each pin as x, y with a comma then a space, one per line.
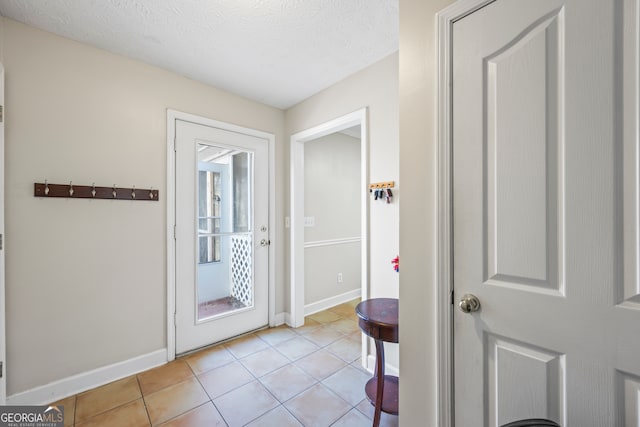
511, 364
172, 116
535, 216
630, 91
628, 389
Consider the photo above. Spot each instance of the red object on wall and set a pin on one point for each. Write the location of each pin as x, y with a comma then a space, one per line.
396, 263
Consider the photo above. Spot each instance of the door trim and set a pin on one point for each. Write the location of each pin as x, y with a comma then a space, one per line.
359, 117
444, 255
172, 116
3, 342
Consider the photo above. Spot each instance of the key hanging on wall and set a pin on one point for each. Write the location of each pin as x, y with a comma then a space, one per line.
382, 190
388, 195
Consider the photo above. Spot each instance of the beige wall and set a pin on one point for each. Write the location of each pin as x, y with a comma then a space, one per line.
332, 198
85, 279
418, 213
332, 187
376, 88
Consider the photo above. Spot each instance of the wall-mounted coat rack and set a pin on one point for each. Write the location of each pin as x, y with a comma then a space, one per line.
73, 191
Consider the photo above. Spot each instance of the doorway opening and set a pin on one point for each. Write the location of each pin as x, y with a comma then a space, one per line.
356, 120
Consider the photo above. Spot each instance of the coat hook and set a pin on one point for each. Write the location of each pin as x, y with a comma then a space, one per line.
93, 191
113, 193
71, 188
133, 192
151, 193
46, 188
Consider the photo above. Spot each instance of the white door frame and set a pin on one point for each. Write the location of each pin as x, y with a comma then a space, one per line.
172, 116
444, 258
359, 117
3, 347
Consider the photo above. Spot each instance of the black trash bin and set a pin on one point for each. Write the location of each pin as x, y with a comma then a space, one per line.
532, 422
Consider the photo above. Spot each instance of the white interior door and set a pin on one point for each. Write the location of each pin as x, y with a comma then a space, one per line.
222, 239
545, 213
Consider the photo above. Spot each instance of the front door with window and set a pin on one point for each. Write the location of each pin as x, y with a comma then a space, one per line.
221, 234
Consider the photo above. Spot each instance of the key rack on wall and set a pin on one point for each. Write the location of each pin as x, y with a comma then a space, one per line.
382, 185
93, 192
382, 190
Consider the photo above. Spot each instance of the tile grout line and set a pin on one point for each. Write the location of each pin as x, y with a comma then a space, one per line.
144, 401
75, 407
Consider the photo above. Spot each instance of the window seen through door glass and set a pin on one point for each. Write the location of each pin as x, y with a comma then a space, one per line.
209, 216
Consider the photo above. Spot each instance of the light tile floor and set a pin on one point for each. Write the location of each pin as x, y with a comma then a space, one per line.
310, 376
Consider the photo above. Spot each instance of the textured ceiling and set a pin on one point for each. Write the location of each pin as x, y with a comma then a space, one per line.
278, 52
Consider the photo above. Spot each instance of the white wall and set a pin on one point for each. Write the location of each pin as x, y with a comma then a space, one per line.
85, 279
214, 281
332, 198
418, 213
376, 87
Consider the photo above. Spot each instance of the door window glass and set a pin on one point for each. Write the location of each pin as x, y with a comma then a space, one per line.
225, 280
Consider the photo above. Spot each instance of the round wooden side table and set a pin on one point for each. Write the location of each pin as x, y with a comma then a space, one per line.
378, 318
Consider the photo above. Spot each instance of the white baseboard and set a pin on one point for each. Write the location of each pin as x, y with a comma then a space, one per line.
280, 319
69, 386
331, 302
388, 369
287, 319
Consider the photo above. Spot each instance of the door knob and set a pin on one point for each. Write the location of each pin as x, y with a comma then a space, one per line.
265, 242
469, 303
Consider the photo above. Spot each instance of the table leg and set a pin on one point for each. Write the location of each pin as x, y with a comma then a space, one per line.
379, 374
